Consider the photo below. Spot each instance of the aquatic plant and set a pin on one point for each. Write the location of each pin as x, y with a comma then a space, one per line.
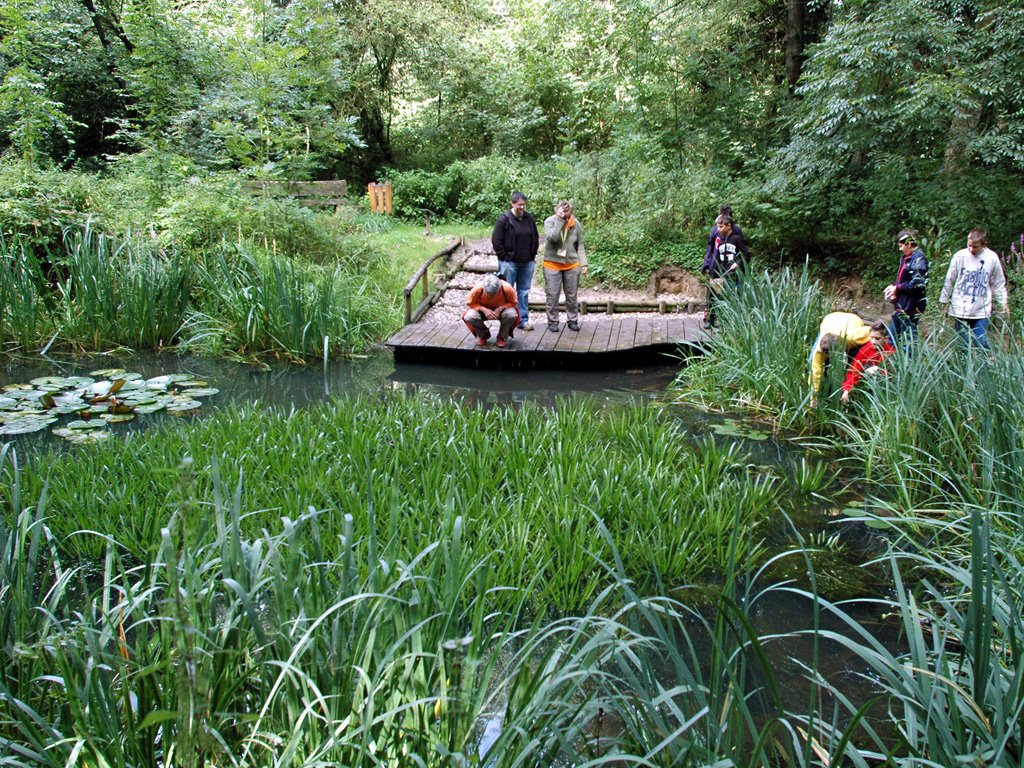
758, 360
953, 691
301, 647
944, 424
121, 291
24, 316
256, 304
531, 491
93, 405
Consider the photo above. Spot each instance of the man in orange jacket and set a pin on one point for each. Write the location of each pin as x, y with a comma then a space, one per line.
491, 299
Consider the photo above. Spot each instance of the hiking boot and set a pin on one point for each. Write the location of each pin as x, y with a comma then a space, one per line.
553, 327
501, 343
481, 341
573, 325
526, 327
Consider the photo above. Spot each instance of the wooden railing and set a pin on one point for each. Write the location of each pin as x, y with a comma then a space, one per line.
429, 297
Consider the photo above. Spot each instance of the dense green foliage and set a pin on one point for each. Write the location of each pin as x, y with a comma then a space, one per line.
100, 292
827, 126
258, 626
637, 472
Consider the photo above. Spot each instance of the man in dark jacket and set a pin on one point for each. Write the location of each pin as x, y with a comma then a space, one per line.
515, 240
909, 293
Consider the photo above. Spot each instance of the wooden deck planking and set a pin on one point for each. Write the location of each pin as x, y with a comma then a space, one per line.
602, 335
627, 334
599, 335
585, 337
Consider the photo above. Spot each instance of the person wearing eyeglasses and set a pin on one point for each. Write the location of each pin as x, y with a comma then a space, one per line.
908, 293
973, 279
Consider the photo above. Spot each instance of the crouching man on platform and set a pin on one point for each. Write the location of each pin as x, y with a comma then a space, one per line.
491, 299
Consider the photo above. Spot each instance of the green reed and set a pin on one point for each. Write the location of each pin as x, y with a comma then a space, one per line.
255, 303
944, 423
25, 319
299, 646
953, 690
531, 480
121, 291
758, 360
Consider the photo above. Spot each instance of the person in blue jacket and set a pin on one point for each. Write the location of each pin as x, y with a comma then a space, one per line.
909, 291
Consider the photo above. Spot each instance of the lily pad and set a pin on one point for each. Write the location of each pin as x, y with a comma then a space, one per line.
68, 408
732, 428
81, 381
117, 418
79, 436
150, 407
81, 425
29, 394
26, 425
201, 392
59, 382
163, 382
109, 373
184, 405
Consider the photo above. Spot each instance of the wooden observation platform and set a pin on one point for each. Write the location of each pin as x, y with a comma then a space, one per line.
605, 340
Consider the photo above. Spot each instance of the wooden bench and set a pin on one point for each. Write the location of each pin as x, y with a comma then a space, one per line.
314, 194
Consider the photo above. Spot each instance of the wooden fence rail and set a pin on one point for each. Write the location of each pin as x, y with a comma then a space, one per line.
429, 298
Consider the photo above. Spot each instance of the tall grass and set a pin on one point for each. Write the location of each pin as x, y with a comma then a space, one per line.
953, 692
300, 647
758, 361
24, 316
124, 291
254, 304
943, 425
99, 291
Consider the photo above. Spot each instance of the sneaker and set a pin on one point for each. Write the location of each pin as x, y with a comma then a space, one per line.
501, 342
526, 327
573, 325
553, 327
481, 341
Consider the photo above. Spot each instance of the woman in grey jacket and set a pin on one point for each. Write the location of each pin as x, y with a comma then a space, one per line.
564, 261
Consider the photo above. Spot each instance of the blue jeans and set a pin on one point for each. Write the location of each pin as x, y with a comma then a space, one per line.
904, 330
972, 331
520, 275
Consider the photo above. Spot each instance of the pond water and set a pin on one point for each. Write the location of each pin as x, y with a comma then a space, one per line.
289, 386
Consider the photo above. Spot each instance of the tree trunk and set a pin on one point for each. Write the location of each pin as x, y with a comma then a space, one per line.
796, 16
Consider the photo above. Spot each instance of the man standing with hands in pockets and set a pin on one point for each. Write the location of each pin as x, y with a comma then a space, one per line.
515, 241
